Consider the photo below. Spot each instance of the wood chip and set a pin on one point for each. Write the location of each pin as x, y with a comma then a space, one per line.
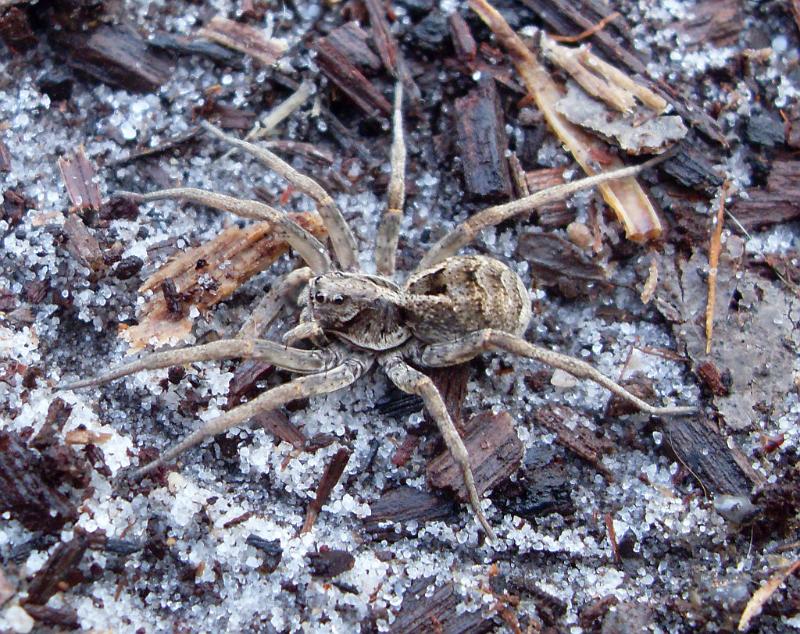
333, 471
625, 196
482, 143
336, 65
115, 55
573, 433
245, 39
495, 452
58, 572
649, 135
80, 180
763, 594
717, 23
208, 274
776, 203
463, 42
83, 245
406, 504
426, 608
713, 264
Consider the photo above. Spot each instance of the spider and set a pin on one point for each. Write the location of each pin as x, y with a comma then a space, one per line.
449, 310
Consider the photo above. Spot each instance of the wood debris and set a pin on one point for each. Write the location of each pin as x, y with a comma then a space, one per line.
650, 135
59, 570
482, 143
625, 196
715, 23
245, 39
80, 180
83, 246
333, 471
208, 274
713, 263
402, 505
115, 55
495, 452
555, 261
426, 608
764, 593
776, 203
336, 61
573, 434
756, 319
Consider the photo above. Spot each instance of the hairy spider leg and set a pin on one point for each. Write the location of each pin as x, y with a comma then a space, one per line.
463, 349
311, 250
389, 228
412, 381
344, 244
468, 230
302, 387
292, 359
269, 306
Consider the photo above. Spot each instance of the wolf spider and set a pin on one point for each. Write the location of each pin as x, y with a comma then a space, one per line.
448, 311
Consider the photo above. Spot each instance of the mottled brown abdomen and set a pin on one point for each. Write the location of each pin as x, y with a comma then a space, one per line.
463, 294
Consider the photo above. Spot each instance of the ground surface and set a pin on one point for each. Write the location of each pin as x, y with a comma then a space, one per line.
682, 565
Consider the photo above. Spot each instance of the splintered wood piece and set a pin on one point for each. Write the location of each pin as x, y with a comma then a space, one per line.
776, 203
625, 196
716, 23
763, 594
24, 494
713, 264
406, 504
705, 453
482, 143
204, 276
333, 471
278, 424
555, 214
337, 66
82, 245
572, 434
426, 608
463, 42
495, 452
58, 570
79, 178
384, 42
116, 55
245, 39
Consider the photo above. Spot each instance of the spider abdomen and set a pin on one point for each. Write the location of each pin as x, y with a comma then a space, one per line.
463, 294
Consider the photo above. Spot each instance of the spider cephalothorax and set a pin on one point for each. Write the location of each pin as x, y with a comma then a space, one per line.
450, 309
363, 310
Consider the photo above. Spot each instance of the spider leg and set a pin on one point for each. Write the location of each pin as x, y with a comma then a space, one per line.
412, 381
344, 244
306, 245
293, 359
389, 229
464, 349
468, 230
271, 304
331, 380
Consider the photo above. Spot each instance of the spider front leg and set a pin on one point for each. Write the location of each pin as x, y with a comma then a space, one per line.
413, 382
292, 359
468, 230
389, 229
342, 239
271, 304
334, 379
306, 245
473, 344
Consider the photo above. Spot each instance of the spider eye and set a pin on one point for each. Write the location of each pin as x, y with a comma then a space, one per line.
338, 300
319, 297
